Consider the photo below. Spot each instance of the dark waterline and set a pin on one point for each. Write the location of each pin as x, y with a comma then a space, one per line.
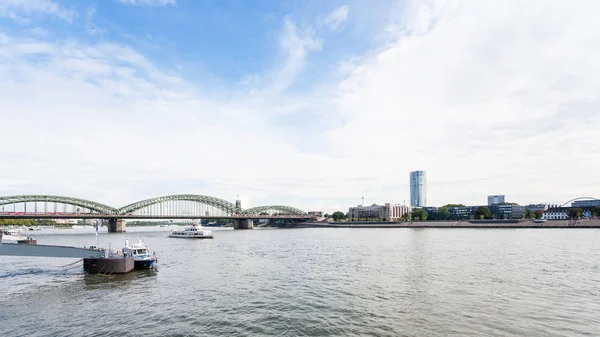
317, 282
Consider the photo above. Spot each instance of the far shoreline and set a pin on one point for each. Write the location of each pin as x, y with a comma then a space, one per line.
590, 223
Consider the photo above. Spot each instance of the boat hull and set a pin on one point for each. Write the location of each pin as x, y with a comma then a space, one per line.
108, 265
192, 237
145, 264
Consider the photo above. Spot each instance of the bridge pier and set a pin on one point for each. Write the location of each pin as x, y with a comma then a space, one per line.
116, 226
243, 224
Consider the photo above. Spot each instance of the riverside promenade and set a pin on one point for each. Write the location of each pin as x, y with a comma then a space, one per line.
588, 223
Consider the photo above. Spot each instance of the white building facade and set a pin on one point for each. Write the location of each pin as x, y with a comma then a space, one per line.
393, 212
556, 213
387, 212
562, 213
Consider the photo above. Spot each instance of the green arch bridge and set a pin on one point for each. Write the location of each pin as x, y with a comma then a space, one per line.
177, 206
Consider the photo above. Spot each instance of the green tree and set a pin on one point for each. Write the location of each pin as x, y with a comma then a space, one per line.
453, 205
337, 216
539, 213
404, 217
596, 211
327, 216
45, 222
443, 213
575, 213
483, 212
528, 214
17, 222
419, 214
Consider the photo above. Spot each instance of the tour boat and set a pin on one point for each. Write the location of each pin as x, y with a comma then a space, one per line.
193, 232
540, 220
141, 255
12, 236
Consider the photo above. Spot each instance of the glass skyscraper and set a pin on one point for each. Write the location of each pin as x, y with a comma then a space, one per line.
418, 189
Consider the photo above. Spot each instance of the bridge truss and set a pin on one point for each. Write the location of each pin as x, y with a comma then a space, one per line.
52, 203
274, 210
181, 205
190, 206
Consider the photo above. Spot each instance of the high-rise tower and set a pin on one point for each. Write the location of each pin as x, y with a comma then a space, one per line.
495, 199
418, 189
238, 204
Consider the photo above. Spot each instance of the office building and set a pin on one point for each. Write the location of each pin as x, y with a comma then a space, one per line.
361, 212
495, 199
387, 212
315, 214
462, 212
537, 207
585, 203
432, 212
418, 189
507, 211
393, 212
499, 211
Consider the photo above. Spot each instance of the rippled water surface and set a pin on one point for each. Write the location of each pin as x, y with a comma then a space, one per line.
316, 282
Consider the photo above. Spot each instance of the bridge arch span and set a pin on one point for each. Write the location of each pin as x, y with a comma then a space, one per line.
281, 209
577, 199
91, 205
221, 204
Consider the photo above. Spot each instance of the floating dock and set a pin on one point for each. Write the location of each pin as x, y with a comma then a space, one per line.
94, 260
28, 249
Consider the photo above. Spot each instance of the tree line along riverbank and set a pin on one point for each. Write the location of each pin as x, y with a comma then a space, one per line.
586, 223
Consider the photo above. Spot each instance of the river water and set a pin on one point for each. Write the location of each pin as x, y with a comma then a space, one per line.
316, 282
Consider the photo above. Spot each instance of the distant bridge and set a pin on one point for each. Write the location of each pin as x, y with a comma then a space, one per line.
178, 206
578, 199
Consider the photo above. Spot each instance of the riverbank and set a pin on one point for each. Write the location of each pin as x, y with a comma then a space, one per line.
592, 223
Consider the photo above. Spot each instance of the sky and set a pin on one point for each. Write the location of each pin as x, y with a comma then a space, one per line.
313, 104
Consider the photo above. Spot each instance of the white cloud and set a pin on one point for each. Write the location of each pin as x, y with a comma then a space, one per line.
417, 17
472, 89
295, 44
252, 80
23, 10
487, 98
113, 102
38, 31
148, 2
336, 19
90, 26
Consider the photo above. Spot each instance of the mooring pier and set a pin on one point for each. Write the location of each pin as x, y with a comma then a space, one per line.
95, 260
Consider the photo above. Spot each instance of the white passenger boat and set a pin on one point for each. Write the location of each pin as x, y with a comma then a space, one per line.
192, 232
12, 236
